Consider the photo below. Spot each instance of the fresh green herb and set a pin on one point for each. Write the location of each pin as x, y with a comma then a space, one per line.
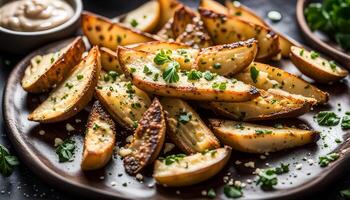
194, 75
136, 105
113, 75
68, 85
267, 178
173, 158
332, 65
106, 78
239, 126
325, 160
327, 118
65, 151
134, 23
301, 52
314, 55
217, 65
221, 86
52, 60
135, 124
284, 168
345, 123
156, 76
132, 70
96, 127
161, 58
211, 193
260, 132
254, 73
184, 117
79, 76
233, 191
7, 161
170, 74
129, 89
208, 76
345, 193
146, 70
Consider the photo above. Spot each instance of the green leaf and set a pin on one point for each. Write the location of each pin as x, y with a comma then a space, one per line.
65, 151
345, 193
345, 123
208, 76
134, 23
254, 73
161, 58
284, 168
170, 74
327, 118
267, 178
184, 117
7, 161
194, 75
173, 158
261, 132
211, 193
343, 40
325, 160
232, 191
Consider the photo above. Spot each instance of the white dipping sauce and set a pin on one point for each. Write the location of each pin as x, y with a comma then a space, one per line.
34, 15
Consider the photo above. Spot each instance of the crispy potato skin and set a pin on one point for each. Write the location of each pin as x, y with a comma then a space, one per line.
45, 112
315, 70
191, 137
214, 6
148, 139
154, 46
165, 32
176, 178
109, 60
247, 140
167, 10
97, 156
58, 70
103, 32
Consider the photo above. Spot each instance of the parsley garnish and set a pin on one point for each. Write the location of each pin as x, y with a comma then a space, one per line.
220, 86
68, 85
170, 74
267, 178
146, 70
113, 75
136, 105
161, 58
79, 77
345, 123
301, 52
194, 75
345, 193
217, 65
65, 151
174, 158
260, 132
184, 117
332, 65
327, 118
208, 76
129, 89
314, 55
233, 191
52, 60
7, 161
134, 23
325, 160
254, 73
211, 193
284, 168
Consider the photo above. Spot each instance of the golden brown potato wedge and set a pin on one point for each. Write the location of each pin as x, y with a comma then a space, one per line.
148, 139
144, 18
188, 29
252, 138
73, 94
227, 60
225, 29
180, 170
167, 10
185, 127
214, 6
316, 67
166, 33
46, 71
109, 60
157, 79
99, 139
265, 107
265, 77
125, 102
103, 32
155, 46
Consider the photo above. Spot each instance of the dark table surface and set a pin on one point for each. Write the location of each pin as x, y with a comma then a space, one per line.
23, 184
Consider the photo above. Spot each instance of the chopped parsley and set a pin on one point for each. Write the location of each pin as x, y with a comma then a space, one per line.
146, 70
129, 89
233, 191
254, 73
284, 168
220, 86
267, 178
211, 193
113, 75
173, 158
161, 58
217, 65
79, 76
345, 193
332, 65
325, 160
7, 161
136, 105
208, 76
301, 52
184, 117
52, 60
327, 118
68, 85
194, 75
314, 55
261, 132
65, 151
170, 74
345, 123
134, 23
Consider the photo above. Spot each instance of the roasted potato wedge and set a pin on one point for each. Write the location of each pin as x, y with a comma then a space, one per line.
109, 60
265, 107
166, 33
181, 170
214, 6
144, 18
125, 102
155, 46
252, 138
99, 139
103, 32
46, 71
167, 10
73, 94
185, 127
188, 29
227, 60
148, 139
152, 80
225, 29
316, 67
267, 77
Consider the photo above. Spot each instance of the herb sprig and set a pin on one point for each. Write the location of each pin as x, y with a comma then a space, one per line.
7, 161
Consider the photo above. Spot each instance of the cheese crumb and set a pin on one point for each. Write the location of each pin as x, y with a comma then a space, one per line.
238, 162
58, 141
139, 177
69, 127
41, 132
262, 157
250, 164
77, 121
168, 147
129, 138
113, 183
124, 152
298, 166
310, 161
204, 193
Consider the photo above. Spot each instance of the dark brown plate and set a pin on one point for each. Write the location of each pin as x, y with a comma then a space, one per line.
38, 153
319, 41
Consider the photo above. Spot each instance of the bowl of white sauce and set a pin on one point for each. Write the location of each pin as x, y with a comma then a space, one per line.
29, 24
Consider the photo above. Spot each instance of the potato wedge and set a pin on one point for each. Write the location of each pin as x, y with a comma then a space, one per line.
125, 102
166, 33
316, 67
225, 29
48, 70
185, 127
265, 107
181, 170
155, 46
252, 138
267, 77
144, 18
148, 139
167, 10
227, 60
214, 6
188, 29
152, 80
99, 139
109, 60
103, 32
73, 94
